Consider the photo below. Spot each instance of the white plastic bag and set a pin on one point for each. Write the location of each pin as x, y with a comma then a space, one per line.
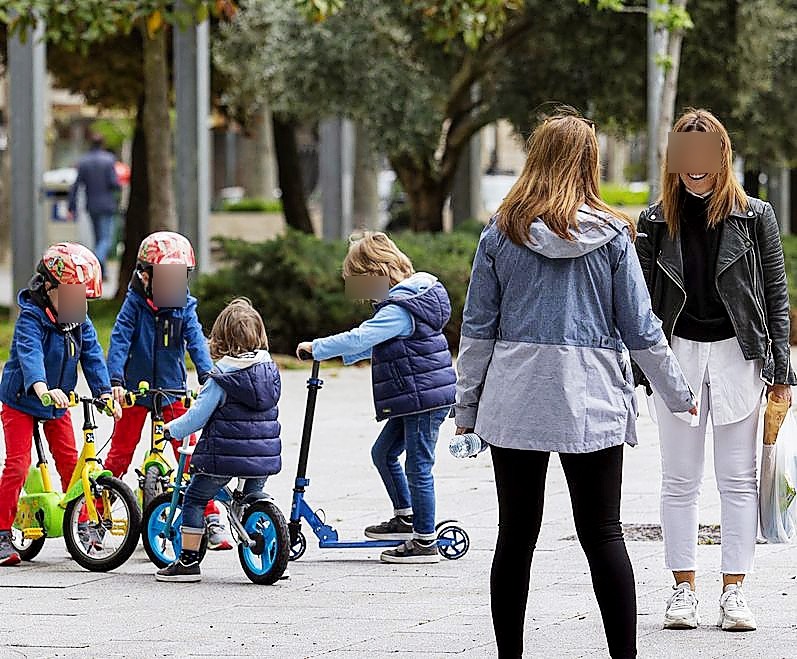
777, 507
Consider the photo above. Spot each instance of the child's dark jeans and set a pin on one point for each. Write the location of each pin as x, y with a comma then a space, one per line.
417, 435
202, 489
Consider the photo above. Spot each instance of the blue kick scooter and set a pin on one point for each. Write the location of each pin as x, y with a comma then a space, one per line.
452, 540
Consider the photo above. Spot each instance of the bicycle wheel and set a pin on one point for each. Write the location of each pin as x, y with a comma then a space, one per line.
112, 540
27, 549
152, 487
266, 562
162, 547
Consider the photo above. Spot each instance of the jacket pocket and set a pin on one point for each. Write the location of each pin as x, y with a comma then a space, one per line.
397, 377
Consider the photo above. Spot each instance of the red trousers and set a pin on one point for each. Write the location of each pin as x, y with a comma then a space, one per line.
18, 433
127, 434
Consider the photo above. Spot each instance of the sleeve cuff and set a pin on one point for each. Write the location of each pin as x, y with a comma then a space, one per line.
116, 382
465, 417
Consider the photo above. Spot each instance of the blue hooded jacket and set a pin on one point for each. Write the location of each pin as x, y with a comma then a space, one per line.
149, 344
42, 352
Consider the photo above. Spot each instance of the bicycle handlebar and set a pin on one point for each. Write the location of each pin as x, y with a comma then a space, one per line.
104, 405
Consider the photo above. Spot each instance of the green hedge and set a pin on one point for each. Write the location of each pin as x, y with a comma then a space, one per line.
295, 281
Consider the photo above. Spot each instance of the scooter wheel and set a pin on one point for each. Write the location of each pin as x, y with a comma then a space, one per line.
27, 549
298, 547
455, 541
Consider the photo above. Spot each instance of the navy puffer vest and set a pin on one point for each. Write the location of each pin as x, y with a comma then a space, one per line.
414, 373
242, 437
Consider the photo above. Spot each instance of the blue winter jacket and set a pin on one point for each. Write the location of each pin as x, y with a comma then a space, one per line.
414, 373
238, 410
149, 344
41, 352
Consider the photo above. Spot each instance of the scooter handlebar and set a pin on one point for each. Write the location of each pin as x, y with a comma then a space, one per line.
305, 356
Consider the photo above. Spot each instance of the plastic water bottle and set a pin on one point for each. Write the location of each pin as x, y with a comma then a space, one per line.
468, 445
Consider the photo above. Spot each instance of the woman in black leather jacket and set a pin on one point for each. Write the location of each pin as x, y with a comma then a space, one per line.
713, 263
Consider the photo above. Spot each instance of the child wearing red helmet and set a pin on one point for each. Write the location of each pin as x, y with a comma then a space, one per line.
148, 342
44, 357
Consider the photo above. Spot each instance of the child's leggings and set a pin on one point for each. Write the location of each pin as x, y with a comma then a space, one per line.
18, 433
127, 434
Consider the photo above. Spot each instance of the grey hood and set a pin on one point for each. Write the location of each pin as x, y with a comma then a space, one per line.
595, 229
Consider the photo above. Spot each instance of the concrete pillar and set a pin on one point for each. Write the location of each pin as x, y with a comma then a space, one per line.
366, 192
336, 165
466, 199
27, 76
192, 146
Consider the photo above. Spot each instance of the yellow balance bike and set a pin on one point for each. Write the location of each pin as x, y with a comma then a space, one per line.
156, 474
98, 516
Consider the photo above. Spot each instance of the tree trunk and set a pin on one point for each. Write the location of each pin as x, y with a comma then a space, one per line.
426, 196
137, 225
157, 126
670, 87
258, 175
751, 184
294, 204
366, 190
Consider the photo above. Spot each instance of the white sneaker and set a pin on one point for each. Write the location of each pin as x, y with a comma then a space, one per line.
682, 608
735, 615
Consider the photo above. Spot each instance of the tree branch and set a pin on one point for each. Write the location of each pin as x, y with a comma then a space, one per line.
474, 65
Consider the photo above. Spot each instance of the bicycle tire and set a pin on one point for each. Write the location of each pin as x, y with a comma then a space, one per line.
128, 545
158, 506
274, 542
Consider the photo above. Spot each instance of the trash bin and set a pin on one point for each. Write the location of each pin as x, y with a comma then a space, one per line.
56, 184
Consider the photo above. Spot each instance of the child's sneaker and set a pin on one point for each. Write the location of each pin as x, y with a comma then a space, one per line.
398, 528
90, 536
413, 551
219, 537
8, 555
179, 571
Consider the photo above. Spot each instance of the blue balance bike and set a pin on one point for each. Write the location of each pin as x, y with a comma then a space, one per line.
258, 526
452, 540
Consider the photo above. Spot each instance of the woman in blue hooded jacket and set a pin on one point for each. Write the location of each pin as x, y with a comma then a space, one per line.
555, 303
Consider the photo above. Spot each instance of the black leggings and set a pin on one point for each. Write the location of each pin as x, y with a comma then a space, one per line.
594, 481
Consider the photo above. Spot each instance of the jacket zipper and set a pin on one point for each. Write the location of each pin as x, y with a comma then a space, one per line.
680, 287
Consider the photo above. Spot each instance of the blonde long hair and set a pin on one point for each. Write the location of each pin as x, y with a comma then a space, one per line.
374, 253
727, 192
561, 173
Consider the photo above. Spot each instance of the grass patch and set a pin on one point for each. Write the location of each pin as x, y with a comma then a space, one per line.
618, 195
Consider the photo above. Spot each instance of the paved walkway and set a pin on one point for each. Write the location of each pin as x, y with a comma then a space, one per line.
345, 604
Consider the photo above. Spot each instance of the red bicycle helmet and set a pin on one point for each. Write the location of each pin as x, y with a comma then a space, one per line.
72, 263
166, 247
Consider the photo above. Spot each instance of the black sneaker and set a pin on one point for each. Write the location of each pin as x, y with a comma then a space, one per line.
179, 571
413, 551
8, 555
398, 528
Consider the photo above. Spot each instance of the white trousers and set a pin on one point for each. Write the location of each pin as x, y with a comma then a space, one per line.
682, 464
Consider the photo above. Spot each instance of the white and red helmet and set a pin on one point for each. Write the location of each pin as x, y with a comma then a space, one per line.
164, 248
72, 263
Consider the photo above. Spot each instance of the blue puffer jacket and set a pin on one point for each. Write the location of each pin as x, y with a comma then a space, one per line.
414, 373
41, 352
149, 344
242, 436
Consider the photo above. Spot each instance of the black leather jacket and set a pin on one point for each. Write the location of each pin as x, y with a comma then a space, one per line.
750, 277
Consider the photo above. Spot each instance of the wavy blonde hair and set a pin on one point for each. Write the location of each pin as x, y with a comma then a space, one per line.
374, 253
561, 173
238, 329
727, 194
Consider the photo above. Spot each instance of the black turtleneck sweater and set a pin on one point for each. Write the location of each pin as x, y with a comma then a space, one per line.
704, 318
